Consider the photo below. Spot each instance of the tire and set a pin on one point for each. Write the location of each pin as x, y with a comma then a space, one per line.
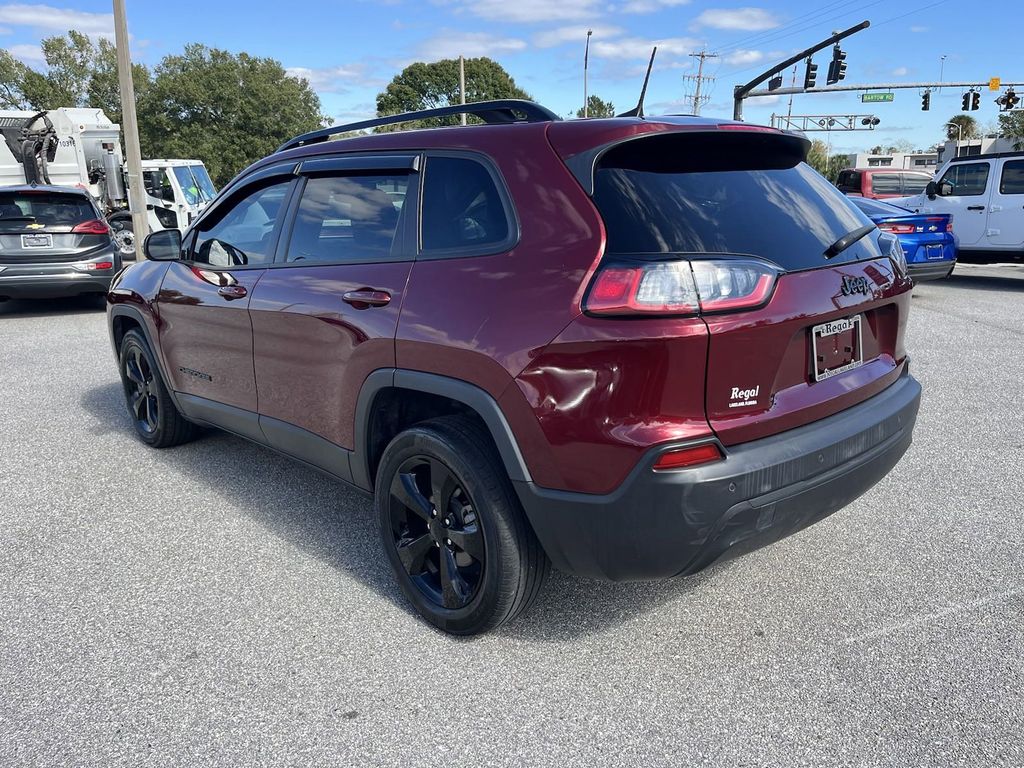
156, 420
499, 566
123, 234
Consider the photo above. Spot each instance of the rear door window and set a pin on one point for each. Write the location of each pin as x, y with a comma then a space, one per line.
724, 195
885, 183
965, 179
914, 184
463, 211
1011, 182
34, 210
344, 219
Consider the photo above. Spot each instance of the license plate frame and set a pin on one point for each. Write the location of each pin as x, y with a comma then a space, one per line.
933, 252
841, 330
37, 240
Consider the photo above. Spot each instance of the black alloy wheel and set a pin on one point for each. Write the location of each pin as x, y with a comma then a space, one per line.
140, 389
436, 532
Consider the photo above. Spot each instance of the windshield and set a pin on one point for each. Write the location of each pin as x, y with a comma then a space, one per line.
205, 182
195, 183
32, 210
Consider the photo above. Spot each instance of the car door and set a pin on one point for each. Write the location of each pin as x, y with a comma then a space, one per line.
324, 317
203, 303
1006, 212
963, 191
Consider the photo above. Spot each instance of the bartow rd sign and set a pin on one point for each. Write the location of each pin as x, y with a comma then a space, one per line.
872, 98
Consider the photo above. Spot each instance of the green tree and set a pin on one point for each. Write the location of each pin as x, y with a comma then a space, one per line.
12, 82
968, 127
1011, 125
597, 107
104, 89
425, 86
827, 165
227, 110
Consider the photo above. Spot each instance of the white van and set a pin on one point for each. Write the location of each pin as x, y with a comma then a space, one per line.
985, 194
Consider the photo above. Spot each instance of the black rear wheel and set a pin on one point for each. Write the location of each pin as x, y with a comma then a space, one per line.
156, 419
451, 525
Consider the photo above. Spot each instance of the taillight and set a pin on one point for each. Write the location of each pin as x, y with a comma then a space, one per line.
681, 287
92, 227
680, 458
949, 226
897, 229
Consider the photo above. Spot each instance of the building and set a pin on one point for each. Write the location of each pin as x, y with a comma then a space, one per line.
918, 160
981, 146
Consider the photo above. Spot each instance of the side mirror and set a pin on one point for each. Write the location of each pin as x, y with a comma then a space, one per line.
163, 245
931, 190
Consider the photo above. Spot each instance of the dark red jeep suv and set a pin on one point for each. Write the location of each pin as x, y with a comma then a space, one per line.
626, 347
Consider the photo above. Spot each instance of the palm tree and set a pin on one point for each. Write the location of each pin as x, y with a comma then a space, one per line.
968, 127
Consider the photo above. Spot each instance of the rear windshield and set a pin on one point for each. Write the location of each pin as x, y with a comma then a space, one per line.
712, 196
879, 208
51, 209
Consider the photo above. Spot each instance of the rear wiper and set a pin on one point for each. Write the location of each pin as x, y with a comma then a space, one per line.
847, 240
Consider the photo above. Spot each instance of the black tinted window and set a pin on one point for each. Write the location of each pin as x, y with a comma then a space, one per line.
51, 209
347, 218
461, 206
788, 215
244, 234
1012, 180
849, 181
885, 183
966, 179
914, 184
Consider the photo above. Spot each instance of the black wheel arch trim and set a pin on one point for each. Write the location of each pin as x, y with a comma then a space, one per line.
463, 392
122, 310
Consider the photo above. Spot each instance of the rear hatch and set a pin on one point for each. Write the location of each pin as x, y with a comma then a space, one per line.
47, 226
796, 332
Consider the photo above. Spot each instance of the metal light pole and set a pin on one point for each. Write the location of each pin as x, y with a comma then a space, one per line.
586, 63
959, 136
462, 84
136, 189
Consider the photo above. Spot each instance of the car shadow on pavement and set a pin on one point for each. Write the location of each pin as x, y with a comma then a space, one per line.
89, 304
335, 523
1011, 282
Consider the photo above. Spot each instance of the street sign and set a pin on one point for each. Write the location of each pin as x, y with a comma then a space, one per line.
993, 84
871, 98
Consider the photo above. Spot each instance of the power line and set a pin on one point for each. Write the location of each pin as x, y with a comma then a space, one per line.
700, 78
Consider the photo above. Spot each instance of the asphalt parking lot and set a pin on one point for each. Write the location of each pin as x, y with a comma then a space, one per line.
217, 604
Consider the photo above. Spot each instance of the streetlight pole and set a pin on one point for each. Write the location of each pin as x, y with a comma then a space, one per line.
586, 62
136, 189
959, 136
462, 84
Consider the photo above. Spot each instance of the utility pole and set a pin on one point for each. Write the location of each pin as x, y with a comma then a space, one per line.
789, 112
699, 78
136, 189
462, 84
586, 63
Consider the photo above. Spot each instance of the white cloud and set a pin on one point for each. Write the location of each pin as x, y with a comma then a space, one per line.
638, 48
527, 11
56, 19
900, 71
650, 6
328, 79
744, 57
576, 33
918, 29
30, 54
450, 45
740, 19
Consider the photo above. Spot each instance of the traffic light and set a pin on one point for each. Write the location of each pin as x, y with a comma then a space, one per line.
1011, 99
926, 101
811, 75
966, 103
975, 100
836, 67
870, 122
775, 82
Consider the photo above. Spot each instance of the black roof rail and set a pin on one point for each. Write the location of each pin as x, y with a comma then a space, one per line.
499, 111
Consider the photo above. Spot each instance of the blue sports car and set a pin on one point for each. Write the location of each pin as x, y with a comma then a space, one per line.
927, 239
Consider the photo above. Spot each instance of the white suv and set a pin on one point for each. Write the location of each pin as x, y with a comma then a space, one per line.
985, 194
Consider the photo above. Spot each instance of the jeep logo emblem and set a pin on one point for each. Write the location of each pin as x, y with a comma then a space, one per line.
852, 285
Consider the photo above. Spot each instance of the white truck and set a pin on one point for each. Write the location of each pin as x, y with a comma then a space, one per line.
81, 147
985, 194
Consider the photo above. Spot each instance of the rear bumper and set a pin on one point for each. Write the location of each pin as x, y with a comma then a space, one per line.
933, 270
658, 525
45, 280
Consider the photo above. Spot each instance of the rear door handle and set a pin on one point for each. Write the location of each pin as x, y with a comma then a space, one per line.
366, 298
975, 207
231, 292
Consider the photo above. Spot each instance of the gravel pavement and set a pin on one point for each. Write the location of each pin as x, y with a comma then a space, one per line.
216, 604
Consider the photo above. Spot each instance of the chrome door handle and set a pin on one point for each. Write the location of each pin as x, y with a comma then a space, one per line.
366, 298
231, 292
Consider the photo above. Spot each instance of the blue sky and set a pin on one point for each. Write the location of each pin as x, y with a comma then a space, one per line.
349, 50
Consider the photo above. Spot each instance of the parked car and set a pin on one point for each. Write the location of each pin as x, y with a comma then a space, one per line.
928, 241
53, 242
881, 183
985, 196
536, 341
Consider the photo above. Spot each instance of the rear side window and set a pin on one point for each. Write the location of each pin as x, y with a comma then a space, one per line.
348, 218
885, 183
49, 209
966, 179
462, 208
1012, 180
724, 195
913, 184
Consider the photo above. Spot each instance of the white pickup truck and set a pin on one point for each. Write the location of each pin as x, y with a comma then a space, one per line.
985, 194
